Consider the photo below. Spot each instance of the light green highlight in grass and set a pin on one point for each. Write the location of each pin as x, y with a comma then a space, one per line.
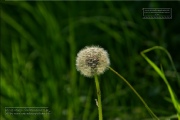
162, 75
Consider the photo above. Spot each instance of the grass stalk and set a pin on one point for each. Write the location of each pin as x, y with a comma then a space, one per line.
99, 105
142, 100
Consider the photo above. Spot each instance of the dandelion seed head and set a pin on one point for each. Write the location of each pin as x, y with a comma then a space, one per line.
92, 60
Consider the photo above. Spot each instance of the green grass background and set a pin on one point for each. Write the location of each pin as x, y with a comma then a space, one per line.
39, 43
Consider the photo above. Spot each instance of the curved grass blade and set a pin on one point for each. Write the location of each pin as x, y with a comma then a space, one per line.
162, 75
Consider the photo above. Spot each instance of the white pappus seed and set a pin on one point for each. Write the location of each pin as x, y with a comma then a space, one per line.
92, 60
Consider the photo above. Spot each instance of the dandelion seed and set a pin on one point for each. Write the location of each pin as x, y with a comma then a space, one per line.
92, 61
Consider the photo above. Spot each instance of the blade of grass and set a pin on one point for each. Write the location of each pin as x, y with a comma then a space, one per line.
162, 75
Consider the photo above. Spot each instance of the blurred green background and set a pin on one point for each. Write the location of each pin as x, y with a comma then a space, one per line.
39, 43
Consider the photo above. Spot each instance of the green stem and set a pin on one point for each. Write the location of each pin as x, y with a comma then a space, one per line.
147, 107
99, 98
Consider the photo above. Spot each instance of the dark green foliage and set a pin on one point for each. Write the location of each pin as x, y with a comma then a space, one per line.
39, 43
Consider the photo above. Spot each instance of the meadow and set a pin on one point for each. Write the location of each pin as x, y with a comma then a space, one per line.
40, 42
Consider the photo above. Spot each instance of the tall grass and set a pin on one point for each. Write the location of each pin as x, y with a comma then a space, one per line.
39, 42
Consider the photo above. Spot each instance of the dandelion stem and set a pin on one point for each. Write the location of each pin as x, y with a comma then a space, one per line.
147, 107
99, 105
